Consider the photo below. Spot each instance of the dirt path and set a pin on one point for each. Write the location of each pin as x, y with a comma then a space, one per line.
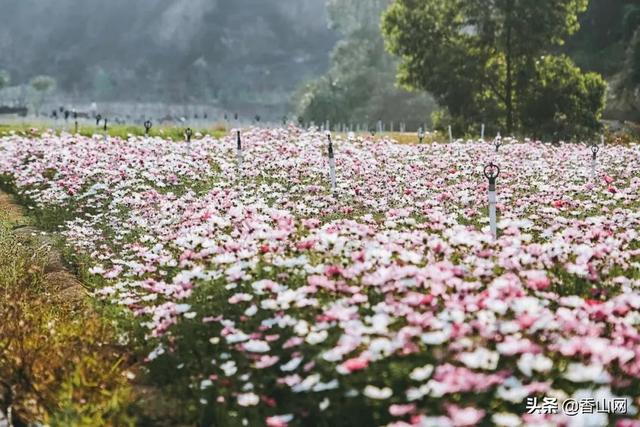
60, 282
57, 277
10, 209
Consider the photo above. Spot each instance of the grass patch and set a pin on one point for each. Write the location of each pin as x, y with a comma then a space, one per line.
175, 133
59, 363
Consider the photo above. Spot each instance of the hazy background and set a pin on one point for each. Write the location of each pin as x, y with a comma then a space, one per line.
238, 54
318, 59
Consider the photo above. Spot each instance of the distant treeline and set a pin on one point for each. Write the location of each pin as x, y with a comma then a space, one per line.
181, 51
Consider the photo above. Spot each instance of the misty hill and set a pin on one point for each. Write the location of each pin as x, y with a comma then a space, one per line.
237, 52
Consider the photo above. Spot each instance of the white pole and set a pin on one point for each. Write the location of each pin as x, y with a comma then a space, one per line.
332, 165
594, 162
482, 133
492, 171
332, 173
450, 135
239, 152
492, 214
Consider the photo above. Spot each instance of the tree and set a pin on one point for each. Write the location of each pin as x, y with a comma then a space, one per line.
561, 99
359, 86
477, 57
5, 79
42, 85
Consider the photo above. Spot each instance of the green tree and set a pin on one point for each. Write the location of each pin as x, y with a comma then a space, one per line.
561, 100
359, 86
42, 85
5, 79
477, 57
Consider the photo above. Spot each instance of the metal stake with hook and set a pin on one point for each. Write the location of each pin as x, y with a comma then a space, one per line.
491, 172
332, 166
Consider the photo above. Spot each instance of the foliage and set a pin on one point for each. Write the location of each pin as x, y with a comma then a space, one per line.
43, 83
359, 86
5, 78
174, 133
154, 50
263, 299
478, 59
57, 361
562, 102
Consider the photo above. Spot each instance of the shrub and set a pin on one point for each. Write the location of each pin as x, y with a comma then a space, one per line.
561, 101
58, 364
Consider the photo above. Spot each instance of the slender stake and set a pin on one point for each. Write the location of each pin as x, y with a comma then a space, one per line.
482, 132
492, 171
594, 161
147, 127
332, 166
450, 135
239, 151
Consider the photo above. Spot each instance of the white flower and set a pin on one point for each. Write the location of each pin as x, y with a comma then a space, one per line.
158, 351
291, 365
579, 373
380, 347
373, 392
421, 374
229, 368
317, 337
324, 404
182, 308
331, 385
236, 338
301, 328
256, 346
480, 359
505, 419
435, 338
417, 393
248, 399
436, 388
306, 384
529, 363
251, 311
379, 323
512, 390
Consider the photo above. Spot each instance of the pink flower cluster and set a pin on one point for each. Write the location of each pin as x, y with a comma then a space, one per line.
392, 295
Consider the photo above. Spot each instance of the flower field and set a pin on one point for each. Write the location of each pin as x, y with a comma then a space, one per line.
264, 299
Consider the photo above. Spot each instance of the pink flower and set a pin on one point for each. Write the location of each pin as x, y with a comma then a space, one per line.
266, 361
401, 410
355, 364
